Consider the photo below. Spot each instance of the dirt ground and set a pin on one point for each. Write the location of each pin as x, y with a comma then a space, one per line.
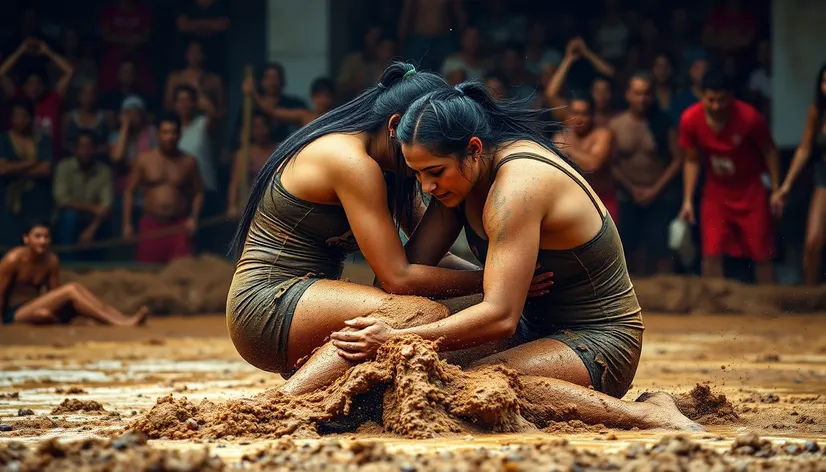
86, 382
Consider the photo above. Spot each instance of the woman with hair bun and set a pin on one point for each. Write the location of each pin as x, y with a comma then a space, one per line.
321, 196
491, 171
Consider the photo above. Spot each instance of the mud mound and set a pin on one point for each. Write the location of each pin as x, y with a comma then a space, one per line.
695, 295
703, 406
425, 397
129, 452
186, 286
72, 405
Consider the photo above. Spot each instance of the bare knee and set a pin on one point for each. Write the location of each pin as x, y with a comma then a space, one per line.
72, 289
405, 311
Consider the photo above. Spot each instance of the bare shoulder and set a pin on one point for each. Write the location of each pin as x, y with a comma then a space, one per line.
616, 122
343, 154
603, 132
189, 160
12, 258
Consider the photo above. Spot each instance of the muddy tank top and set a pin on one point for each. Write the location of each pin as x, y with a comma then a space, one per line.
290, 237
591, 281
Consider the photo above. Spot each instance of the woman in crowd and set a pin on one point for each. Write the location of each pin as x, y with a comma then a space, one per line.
30, 290
490, 170
321, 196
812, 144
86, 117
261, 146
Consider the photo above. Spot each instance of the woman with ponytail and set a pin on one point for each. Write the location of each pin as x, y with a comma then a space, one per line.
321, 196
491, 170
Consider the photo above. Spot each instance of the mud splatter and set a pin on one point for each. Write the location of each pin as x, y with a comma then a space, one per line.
705, 407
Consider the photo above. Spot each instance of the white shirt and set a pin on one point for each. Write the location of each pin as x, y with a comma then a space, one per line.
196, 142
761, 82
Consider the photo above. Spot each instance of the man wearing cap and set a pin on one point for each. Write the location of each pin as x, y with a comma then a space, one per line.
134, 137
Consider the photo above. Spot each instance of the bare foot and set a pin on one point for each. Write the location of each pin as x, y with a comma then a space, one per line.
665, 414
139, 319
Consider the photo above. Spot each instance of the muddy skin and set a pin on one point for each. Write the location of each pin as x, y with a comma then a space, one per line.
425, 397
325, 365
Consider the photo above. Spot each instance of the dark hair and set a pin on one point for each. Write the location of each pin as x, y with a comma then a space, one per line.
582, 96
193, 94
278, 67
444, 121
170, 117
34, 223
641, 75
399, 85
85, 133
23, 103
40, 74
716, 81
322, 85
820, 97
603, 78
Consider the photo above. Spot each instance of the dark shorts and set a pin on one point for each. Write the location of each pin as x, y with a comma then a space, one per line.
648, 226
610, 352
8, 314
259, 320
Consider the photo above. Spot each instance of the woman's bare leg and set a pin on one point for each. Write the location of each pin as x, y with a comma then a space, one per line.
323, 309
556, 384
44, 309
815, 229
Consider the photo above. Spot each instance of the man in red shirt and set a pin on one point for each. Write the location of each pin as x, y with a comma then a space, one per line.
737, 149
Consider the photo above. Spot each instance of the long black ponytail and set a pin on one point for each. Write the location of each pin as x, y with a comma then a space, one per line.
399, 86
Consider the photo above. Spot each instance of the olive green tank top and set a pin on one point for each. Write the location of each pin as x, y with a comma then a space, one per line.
591, 281
290, 237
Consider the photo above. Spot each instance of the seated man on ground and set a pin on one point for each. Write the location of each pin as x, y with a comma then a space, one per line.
30, 290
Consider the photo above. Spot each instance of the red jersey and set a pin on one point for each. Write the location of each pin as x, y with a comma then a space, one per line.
733, 158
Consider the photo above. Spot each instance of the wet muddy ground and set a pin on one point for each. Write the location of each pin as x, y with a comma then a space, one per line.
77, 382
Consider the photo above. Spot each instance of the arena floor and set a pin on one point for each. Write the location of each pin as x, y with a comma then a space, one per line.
771, 369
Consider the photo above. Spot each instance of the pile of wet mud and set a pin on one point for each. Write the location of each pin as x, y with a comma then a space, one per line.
185, 286
423, 397
678, 453
705, 407
696, 295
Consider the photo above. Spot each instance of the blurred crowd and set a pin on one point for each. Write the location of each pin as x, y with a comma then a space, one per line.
88, 115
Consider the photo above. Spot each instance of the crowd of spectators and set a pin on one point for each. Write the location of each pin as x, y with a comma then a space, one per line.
83, 109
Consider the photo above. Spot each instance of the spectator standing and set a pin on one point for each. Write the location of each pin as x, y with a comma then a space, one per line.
261, 146
812, 145
522, 83
271, 95
646, 162
25, 170
172, 198
467, 59
760, 80
427, 30
125, 26
601, 94
540, 59
85, 69
195, 76
83, 193
611, 33
590, 148
662, 75
88, 118
112, 100
737, 149
207, 22
48, 104
198, 118
358, 69
692, 95
322, 94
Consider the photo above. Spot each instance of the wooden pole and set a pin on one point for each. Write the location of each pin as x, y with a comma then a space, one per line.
246, 135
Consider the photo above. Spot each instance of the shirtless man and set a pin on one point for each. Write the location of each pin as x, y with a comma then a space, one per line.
426, 29
30, 290
590, 147
645, 164
172, 197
